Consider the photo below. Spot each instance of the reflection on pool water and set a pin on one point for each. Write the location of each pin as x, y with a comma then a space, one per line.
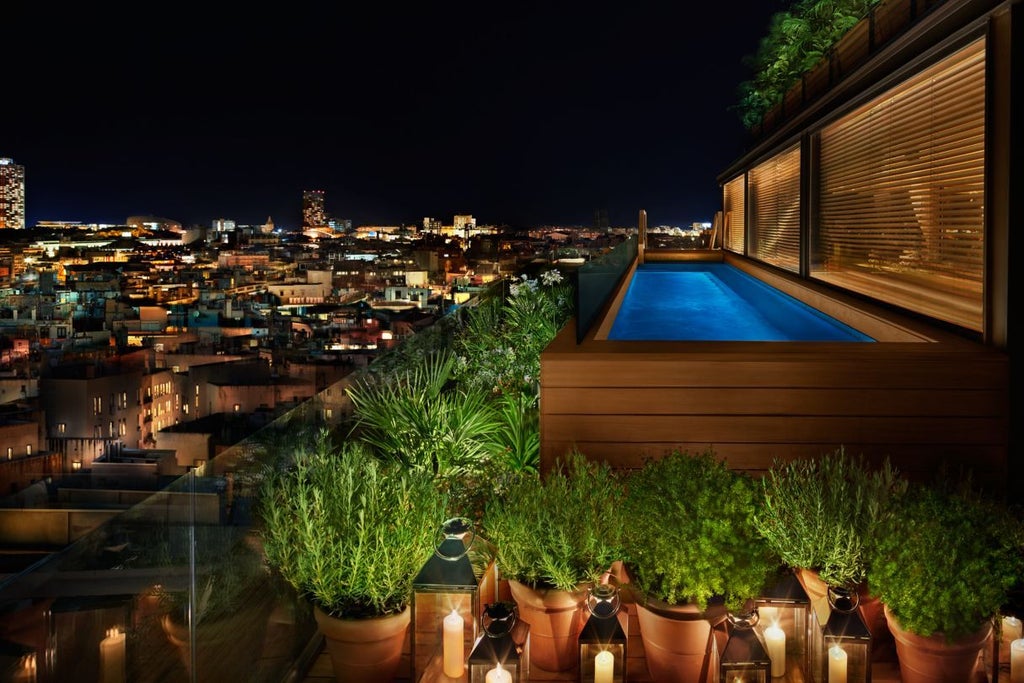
717, 302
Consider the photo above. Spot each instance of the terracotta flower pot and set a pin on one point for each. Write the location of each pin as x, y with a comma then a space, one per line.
556, 618
870, 607
677, 641
931, 659
364, 650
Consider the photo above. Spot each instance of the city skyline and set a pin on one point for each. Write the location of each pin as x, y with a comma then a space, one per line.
536, 115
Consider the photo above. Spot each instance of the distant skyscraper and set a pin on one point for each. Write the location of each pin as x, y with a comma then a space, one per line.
12, 194
313, 213
224, 225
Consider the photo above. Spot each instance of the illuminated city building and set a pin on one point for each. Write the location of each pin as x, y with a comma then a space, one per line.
313, 213
12, 194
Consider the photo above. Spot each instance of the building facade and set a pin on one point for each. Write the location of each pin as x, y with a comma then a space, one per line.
314, 214
12, 195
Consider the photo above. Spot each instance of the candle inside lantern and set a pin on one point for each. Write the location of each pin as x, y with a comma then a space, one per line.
498, 675
112, 657
452, 645
26, 671
768, 615
836, 664
1017, 661
604, 667
775, 641
1011, 631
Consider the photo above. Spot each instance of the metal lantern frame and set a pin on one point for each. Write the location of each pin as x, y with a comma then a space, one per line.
505, 641
843, 638
603, 633
448, 583
786, 605
744, 657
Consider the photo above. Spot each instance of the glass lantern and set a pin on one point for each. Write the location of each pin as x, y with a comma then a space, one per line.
445, 603
841, 649
502, 653
785, 606
744, 659
602, 640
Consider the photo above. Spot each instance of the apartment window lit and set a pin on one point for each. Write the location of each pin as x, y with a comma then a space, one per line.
10, 452
62, 428
28, 449
97, 405
328, 413
238, 407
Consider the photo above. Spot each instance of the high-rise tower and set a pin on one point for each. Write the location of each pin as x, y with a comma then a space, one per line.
12, 194
313, 213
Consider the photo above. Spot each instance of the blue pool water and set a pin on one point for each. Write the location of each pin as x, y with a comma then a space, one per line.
717, 302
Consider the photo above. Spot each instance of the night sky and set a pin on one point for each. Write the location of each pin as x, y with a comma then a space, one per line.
520, 114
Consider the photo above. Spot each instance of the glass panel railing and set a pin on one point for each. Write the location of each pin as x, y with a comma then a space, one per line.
174, 588
597, 280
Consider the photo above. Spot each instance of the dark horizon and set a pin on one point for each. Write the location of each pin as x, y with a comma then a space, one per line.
536, 115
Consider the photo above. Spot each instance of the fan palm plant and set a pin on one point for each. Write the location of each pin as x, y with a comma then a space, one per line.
420, 417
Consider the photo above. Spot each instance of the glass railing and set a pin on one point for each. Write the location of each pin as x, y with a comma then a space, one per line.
174, 588
597, 280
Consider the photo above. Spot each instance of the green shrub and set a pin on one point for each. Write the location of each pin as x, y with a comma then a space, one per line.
946, 560
689, 532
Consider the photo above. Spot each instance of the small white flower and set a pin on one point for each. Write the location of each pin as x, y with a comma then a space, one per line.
551, 277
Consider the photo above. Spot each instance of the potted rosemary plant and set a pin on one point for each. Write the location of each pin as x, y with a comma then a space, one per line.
349, 532
692, 555
555, 536
820, 515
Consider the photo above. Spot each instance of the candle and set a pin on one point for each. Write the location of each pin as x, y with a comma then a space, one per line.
498, 675
1017, 661
836, 664
604, 667
112, 657
1012, 629
775, 640
452, 645
26, 671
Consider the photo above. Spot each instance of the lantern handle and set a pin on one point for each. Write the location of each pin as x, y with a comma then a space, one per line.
843, 599
456, 528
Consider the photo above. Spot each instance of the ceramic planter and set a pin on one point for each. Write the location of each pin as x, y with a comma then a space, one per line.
678, 641
365, 650
931, 659
556, 618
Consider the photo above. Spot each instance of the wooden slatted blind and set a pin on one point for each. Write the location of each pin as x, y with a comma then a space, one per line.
901, 204
774, 188
735, 223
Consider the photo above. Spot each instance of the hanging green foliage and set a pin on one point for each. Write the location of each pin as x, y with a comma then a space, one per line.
797, 40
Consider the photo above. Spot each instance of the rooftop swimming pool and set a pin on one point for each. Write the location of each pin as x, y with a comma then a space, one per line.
717, 302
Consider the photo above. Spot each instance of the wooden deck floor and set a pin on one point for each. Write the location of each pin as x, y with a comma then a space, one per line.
883, 672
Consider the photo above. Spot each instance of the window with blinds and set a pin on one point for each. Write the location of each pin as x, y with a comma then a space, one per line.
774, 188
732, 207
901, 194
